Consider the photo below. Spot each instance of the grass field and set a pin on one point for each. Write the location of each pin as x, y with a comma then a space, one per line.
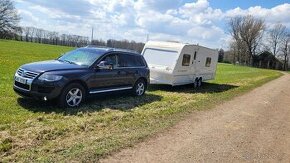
38, 131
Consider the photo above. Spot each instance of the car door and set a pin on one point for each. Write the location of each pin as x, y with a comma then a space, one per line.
106, 78
127, 69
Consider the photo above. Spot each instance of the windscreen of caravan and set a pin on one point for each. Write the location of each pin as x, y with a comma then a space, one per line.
160, 57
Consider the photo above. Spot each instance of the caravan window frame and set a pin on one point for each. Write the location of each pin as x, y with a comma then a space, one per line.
195, 53
186, 62
208, 62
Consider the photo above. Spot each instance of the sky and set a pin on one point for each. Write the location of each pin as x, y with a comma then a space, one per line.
202, 22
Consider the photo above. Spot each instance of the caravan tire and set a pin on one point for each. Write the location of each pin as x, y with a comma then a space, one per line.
199, 83
195, 84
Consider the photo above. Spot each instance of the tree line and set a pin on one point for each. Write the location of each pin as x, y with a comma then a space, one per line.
9, 29
37, 35
251, 37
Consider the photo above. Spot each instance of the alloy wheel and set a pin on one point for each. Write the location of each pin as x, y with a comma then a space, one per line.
140, 89
74, 97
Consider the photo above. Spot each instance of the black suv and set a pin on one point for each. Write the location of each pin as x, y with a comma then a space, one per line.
81, 73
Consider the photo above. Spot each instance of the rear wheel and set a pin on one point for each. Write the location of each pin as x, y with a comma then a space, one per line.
139, 87
72, 95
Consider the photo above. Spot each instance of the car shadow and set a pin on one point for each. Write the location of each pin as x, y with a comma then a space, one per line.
189, 88
116, 101
119, 101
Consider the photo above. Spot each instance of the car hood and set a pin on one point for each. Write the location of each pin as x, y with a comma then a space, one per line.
51, 65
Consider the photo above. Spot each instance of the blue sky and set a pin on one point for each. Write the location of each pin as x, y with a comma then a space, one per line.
191, 21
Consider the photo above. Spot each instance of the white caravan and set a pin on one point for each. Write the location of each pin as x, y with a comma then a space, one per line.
178, 64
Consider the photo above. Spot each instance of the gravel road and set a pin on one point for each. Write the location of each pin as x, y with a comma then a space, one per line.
254, 127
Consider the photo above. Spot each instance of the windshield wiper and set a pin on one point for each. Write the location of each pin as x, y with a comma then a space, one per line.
70, 62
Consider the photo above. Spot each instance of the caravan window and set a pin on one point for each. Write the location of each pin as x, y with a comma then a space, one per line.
186, 60
195, 55
160, 57
208, 62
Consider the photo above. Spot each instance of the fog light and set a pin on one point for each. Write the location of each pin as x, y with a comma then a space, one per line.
44, 98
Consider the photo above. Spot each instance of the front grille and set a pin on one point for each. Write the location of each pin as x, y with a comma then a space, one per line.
27, 74
23, 86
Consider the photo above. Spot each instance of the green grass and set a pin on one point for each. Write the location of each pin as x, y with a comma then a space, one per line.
37, 131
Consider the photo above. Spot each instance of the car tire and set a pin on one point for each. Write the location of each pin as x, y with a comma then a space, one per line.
72, 96
139, 88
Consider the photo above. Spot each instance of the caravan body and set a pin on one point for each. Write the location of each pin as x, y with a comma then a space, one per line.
178, 64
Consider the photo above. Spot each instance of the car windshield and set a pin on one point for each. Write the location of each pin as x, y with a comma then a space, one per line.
82, 57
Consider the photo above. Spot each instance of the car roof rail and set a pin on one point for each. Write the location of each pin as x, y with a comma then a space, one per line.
97, 46
112, 49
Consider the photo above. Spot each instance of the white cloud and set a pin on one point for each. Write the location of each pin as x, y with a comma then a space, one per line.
195, 22
277, 14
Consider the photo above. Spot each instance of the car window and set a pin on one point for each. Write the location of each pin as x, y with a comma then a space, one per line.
128, 60
112, 59
122, 60
82, 56
139, 61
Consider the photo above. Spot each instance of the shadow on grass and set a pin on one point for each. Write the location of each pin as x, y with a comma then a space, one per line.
116, 101
119, 101
189, 88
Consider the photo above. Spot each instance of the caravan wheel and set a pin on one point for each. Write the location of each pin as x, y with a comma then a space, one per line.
199, 83
195, 84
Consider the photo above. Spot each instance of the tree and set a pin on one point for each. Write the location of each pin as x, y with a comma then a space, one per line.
9, 19
285, 49
221, 55
276, 36
247, 32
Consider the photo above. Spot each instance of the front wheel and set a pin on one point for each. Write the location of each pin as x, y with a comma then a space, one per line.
139, 88
72, 95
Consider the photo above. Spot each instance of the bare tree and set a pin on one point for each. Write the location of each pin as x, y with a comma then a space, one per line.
276, 36
9, 18
26, 32
285, 49
32, 33
39, 35
247, 31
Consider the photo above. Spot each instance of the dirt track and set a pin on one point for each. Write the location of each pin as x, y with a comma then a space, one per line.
254, 127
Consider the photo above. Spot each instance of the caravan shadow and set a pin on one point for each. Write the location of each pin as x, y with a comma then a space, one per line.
189, 88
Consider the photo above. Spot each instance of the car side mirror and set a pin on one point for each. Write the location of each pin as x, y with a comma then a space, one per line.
105, 65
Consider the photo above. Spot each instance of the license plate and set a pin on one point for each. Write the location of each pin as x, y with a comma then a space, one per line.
20, 80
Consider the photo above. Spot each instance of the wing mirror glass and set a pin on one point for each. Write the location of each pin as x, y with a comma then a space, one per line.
105, 65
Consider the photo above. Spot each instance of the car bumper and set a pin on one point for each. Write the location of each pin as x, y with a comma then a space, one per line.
38, 90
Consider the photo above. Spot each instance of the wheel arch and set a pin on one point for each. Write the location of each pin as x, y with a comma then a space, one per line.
142, 78
79, 82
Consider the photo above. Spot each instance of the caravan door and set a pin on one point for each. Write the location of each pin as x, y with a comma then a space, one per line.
195, 65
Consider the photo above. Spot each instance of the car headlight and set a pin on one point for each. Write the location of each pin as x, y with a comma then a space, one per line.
49, 77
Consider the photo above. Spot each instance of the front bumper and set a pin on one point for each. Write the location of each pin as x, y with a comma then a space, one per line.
38, 89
